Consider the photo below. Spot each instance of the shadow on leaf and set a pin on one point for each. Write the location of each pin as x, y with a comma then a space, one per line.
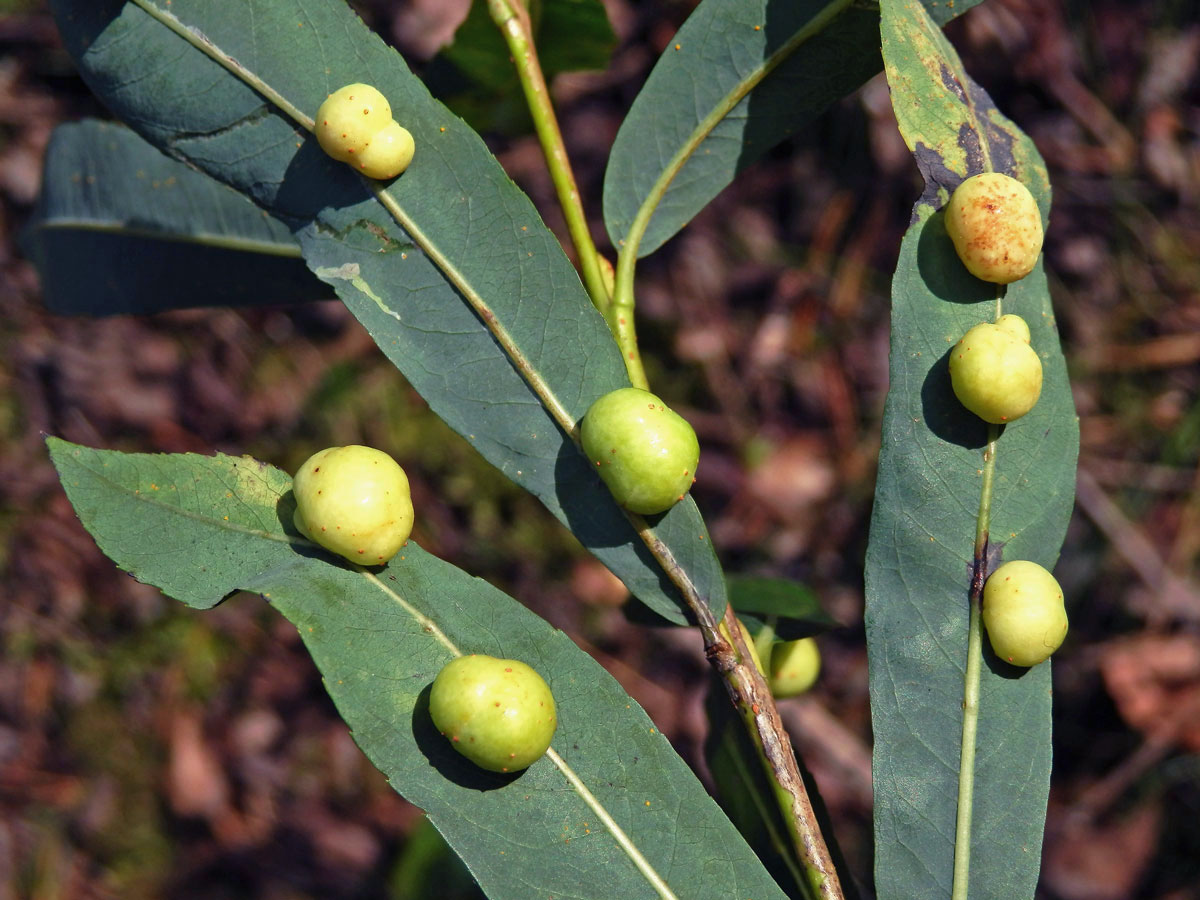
313, 182
942, 270
596, 519
285, 508
1001, 667
450, 764
944, 415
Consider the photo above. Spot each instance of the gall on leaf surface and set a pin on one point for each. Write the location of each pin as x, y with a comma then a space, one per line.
201, 528
918, 569
474, 257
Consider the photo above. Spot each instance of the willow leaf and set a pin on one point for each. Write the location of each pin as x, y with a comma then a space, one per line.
131, 220
449, 267
739, 77
919, 561
612, 811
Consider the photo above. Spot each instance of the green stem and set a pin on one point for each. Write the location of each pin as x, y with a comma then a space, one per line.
512, 19
970, 725
622, 324
966, 766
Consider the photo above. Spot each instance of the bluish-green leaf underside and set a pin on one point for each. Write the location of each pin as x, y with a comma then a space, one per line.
121, 228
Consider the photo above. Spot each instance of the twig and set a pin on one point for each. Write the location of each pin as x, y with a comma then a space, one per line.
756, 706
745, 685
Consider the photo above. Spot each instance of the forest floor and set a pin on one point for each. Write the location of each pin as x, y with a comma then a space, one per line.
147, 750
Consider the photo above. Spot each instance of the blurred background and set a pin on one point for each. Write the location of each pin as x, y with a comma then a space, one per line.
147, 750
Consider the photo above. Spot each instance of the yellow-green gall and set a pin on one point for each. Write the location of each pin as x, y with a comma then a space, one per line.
349, 118
387, 154
354, 501
1024, 613
996, 227
1014, 325
498, 713
646, 452
794, 667
994, 371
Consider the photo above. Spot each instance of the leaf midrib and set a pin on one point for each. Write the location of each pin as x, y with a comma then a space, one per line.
622, 839
140, 496
196, 238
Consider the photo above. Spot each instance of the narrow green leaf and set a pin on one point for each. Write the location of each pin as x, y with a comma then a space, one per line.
927, 496
947, 120
202, 527
744, 792
131, 221
472, 260
738, 78
794, 606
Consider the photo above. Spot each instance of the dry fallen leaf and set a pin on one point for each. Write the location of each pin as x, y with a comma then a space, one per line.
1154, 680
